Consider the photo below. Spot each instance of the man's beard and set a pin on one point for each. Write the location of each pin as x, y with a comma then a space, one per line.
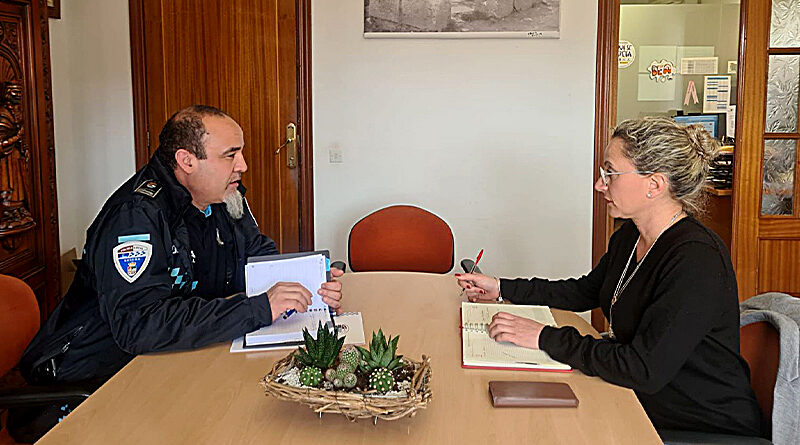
234, 203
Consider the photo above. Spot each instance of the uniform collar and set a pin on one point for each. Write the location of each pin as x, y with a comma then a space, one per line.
177, 196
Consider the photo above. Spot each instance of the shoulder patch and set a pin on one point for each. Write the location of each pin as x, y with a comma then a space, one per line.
148, 188
131, 259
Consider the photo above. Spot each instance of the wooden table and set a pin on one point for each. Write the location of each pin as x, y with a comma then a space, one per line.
212, 396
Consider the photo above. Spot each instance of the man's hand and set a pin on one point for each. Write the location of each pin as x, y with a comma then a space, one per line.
331, 291
285, 296
479, 288
518, 330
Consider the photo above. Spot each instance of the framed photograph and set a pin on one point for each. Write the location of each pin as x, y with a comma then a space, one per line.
54, 9
530, 19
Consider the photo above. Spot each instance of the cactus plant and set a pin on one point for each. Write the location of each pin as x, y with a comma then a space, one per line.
310, 376
381, 380
350, 380
350, 357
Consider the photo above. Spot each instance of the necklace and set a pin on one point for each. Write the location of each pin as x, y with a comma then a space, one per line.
620, 285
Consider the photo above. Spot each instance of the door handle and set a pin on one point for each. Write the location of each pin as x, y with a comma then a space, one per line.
291, 145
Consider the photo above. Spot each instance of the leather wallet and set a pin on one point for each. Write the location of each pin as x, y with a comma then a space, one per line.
531, 394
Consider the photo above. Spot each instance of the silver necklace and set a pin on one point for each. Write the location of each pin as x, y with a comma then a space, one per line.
620, 285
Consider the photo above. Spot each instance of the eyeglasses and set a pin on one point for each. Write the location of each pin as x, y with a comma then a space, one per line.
604, 175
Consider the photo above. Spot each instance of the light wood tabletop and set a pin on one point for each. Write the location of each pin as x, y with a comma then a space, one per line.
212, 396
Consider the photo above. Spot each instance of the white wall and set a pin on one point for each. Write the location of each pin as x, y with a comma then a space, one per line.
93, 110
494, 136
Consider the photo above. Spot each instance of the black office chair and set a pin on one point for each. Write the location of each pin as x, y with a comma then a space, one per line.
467, 264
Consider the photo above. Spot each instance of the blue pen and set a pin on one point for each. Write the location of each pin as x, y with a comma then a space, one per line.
288, 313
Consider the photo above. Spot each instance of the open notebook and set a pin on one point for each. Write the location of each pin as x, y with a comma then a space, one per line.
310, 269
478, 350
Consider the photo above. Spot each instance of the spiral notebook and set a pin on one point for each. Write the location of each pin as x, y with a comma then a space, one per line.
478, 350
310, 269
349, 324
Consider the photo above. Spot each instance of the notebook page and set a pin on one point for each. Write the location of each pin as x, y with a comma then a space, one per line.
480, 350
310, 272
478, 315
288, 329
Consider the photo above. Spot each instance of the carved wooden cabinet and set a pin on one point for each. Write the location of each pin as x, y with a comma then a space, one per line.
29, 247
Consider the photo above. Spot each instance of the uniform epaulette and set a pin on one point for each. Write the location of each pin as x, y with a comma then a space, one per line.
148, 187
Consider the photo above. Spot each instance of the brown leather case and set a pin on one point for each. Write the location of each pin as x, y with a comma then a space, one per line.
531, 394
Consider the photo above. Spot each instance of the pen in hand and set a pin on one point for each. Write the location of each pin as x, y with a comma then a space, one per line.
472, 269
288, 313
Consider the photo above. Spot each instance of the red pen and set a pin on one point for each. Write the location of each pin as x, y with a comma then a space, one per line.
472, 269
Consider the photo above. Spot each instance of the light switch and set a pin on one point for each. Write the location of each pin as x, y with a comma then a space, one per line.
335, 155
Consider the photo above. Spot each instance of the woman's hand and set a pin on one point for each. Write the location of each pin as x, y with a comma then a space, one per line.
479, 288
518, 330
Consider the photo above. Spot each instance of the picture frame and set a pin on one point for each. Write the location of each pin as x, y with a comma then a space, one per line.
462, 19
54, 9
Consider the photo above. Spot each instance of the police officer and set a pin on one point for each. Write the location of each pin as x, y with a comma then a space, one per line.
163, 265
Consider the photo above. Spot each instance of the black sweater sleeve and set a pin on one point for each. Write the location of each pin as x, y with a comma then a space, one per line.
574, 294
683, 310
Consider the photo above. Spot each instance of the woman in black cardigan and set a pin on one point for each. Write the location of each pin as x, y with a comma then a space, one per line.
666, 285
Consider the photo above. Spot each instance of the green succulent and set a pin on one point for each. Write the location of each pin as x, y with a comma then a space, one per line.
344, 368
350, 380
322, 351
381, 354
350, 356
310, 376
381, 380
330, 374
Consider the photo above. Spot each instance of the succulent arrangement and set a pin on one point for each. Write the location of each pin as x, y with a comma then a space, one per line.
380, 360
319, 353
322, 359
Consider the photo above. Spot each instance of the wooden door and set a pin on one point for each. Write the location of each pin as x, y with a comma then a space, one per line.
243, 57
766, 223
29, 247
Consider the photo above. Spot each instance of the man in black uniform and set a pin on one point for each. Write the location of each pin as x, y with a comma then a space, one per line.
163, 265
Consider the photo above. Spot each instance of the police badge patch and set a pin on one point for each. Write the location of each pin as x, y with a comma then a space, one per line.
131, 259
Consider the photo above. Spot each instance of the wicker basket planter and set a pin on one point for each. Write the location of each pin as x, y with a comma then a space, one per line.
354, 405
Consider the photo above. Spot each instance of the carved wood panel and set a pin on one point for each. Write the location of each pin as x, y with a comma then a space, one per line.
29, 246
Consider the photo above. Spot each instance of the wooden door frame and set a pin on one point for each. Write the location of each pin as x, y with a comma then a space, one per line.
605, 114
306, 152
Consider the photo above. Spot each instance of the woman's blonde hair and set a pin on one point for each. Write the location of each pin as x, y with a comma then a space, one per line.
683, 154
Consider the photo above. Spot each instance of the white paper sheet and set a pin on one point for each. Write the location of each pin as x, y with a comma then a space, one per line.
716, 94
699, 65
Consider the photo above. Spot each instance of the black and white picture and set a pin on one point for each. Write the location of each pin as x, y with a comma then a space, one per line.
462, 18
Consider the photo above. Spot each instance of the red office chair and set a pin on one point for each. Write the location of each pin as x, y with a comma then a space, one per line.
19, 322
760, 347
401, 238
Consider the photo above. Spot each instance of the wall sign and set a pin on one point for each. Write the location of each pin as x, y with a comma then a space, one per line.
627, 54
661, 70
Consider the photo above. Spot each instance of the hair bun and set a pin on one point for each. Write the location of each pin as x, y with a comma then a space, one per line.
706, 147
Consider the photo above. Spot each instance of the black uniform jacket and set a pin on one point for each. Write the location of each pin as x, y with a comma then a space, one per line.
133, 291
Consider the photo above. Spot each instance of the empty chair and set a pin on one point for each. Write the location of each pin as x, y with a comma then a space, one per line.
19, 322
401, 238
